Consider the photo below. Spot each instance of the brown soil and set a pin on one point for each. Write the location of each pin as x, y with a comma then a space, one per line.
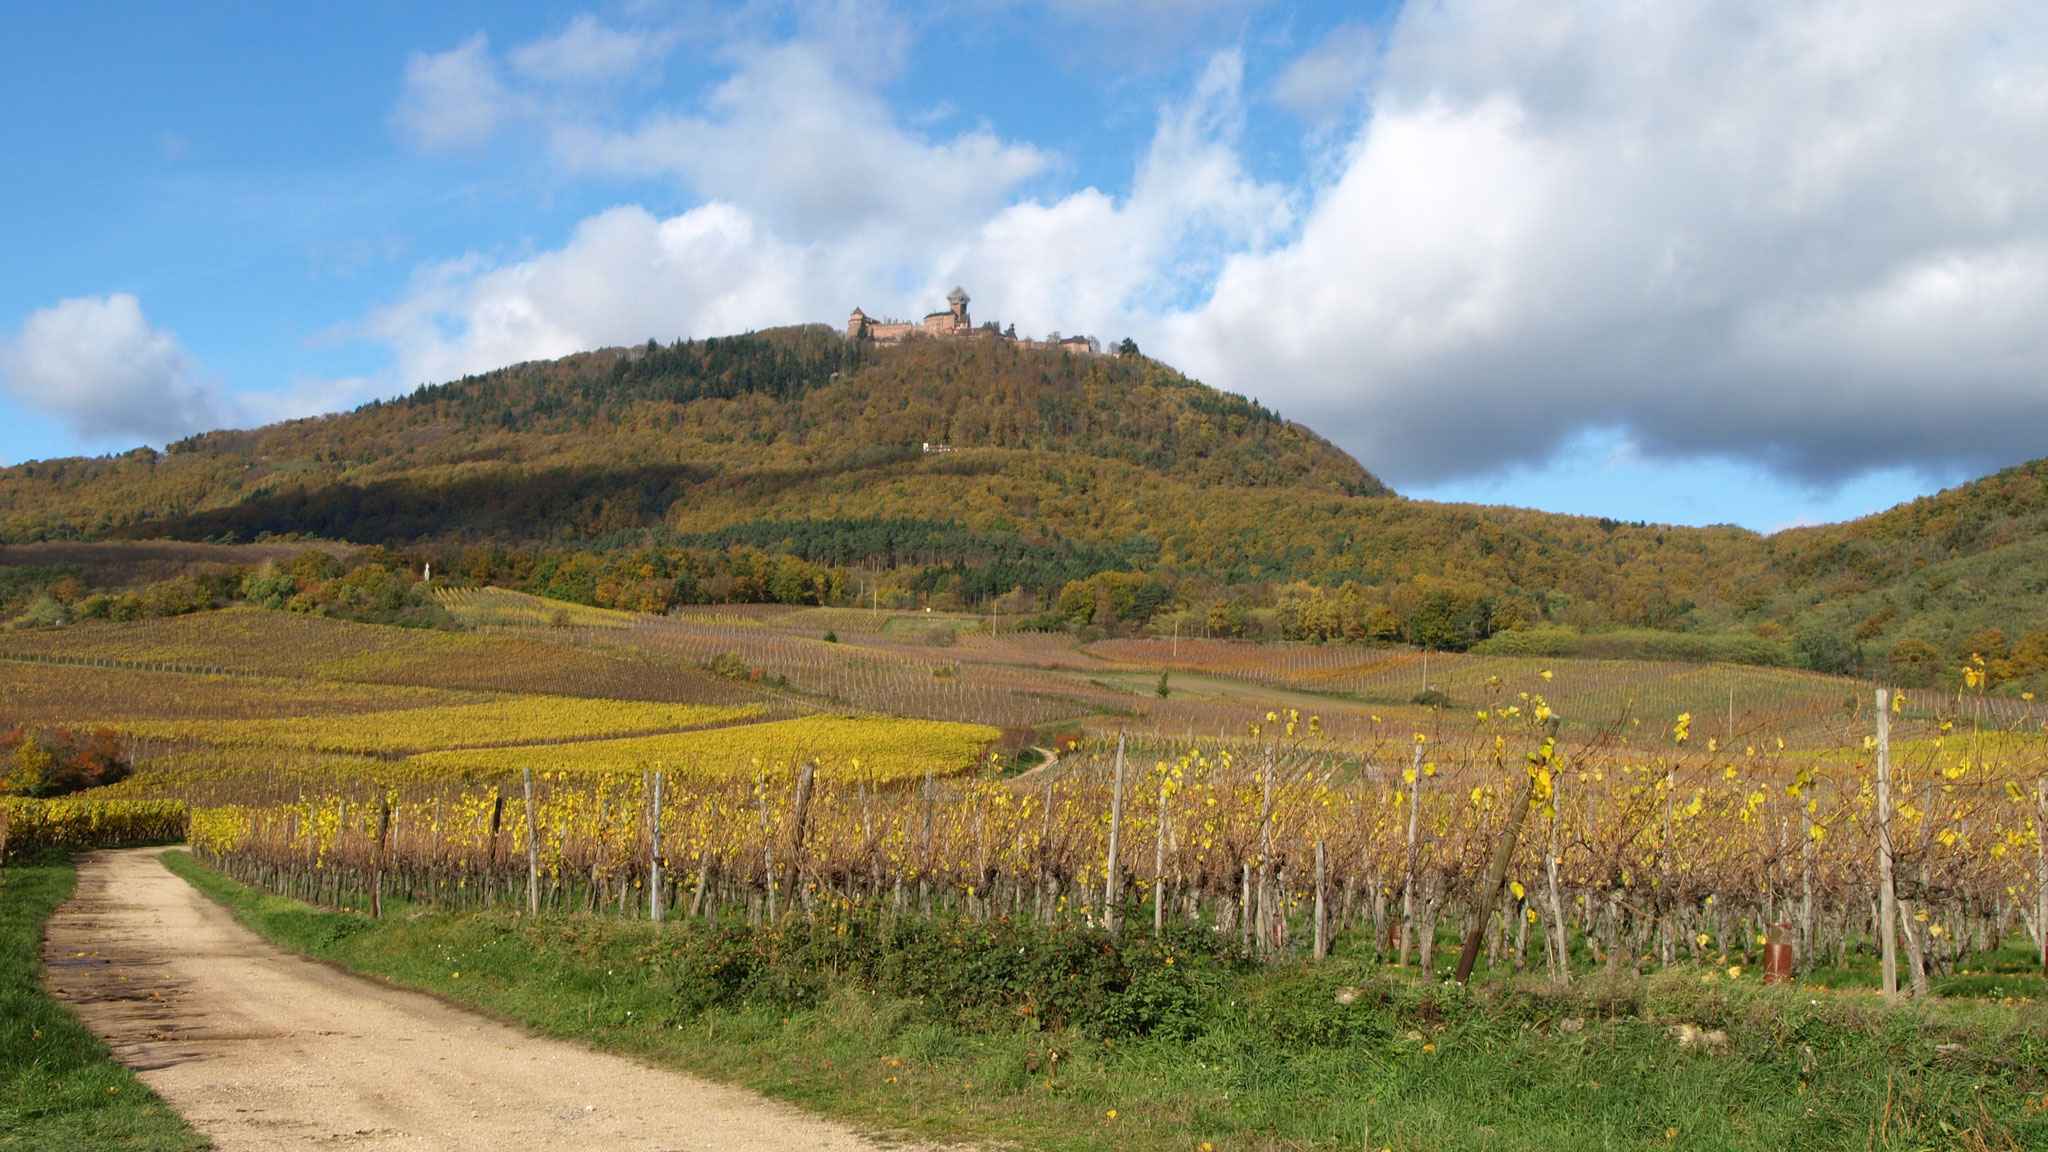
259, 1049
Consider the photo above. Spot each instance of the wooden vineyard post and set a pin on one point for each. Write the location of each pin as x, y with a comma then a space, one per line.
497, 825
1408, 860
768, 846
1322, 938
1116, 819
532, 849
1669, 930
1496, 875
654, 909
1887, 896
1159, 864
1560, 939
926, 859
1806, 889
1267, 897
799, 821
340, 833
2041, 868
377, 857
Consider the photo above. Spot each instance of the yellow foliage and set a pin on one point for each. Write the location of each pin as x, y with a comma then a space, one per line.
510, 720
884, 749
71, 824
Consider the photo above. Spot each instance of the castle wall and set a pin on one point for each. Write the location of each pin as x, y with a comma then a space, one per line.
954, 324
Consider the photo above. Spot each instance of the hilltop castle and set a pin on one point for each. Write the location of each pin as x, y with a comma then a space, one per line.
952, 324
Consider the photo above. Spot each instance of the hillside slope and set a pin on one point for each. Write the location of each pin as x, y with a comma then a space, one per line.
607, 440
1056, 466
798, 424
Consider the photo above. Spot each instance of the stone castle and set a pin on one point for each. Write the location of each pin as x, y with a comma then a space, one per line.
953, 324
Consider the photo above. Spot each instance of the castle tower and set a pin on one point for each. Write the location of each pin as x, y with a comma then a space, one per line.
957, 301
856, 324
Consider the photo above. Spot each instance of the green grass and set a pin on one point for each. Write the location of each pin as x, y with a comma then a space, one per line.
60, 1088
945, 1033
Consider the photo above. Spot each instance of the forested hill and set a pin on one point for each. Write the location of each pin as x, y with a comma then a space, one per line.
603, 441
975, 469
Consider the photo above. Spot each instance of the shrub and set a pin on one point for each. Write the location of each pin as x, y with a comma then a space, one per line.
732, 666
58, 762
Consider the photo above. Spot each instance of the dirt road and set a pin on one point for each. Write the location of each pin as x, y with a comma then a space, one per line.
259, 1049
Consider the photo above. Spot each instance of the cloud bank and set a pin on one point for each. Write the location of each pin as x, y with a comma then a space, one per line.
1805, 234
1809, 234
113, 379
96, 363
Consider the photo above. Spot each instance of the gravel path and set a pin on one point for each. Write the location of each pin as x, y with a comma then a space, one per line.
259, 1049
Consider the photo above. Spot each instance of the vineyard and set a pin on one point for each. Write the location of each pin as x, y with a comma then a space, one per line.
31, 827
283, 645
1553, 816
508, 721
1618, 856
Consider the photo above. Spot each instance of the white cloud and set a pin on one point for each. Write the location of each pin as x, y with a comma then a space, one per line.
889, 230
1813, 235
623, 278
586, 52
816, 198
793, 138
1125, 24
113, 379
1090, 263
1147, 9
452, 99
797, 132
1329, 79
1809, 235
97, 364
307, 396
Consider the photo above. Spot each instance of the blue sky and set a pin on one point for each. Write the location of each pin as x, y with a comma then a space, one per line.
1683, 262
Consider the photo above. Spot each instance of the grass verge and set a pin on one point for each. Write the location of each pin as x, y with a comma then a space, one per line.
60, 1088
1072, 1041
